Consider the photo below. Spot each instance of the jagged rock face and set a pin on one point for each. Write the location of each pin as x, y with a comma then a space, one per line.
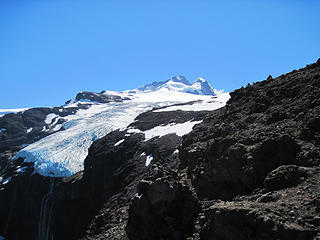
263, 126
162, 210
264, 145
150, 119
111, 161
121, 168
104, 160
98, 97
288, 213
21, 206
284, 177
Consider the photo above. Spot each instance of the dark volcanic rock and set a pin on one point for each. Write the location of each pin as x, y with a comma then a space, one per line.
162, 210
150, 119
260, 151
21, 202
263, 126
287, 214
284, 177
98, 97
113, 172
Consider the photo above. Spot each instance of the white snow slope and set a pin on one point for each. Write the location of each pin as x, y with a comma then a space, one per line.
62, 153
7, 111
181, 84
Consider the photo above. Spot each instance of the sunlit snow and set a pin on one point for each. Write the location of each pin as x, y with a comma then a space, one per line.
7, 111
119, 142
50, 117
21, 169
149, 159
208, 104
6, 181
179, 129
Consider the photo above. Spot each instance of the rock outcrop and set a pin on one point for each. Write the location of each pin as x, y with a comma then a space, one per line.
162, 209
263, 126
254, 164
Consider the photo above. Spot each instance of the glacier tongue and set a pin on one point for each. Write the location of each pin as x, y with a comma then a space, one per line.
62, 153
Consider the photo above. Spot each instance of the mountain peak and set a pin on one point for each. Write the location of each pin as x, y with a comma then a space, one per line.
202, 87
180, 79
200, 79
181, 84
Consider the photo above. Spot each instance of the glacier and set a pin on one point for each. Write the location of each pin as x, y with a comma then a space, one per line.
62, 153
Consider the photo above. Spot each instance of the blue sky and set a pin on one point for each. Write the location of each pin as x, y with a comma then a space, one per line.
50, 50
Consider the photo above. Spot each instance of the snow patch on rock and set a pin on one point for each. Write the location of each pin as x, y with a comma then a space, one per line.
179, 129
149, 159
119, 142
50, 117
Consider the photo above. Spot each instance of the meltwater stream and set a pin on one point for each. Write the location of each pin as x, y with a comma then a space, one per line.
45, 214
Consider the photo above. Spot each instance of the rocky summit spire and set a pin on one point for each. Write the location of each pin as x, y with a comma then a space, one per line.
204, 87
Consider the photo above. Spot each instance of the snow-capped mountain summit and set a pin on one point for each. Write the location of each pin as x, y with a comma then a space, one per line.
181, 84
181, 79
60, 141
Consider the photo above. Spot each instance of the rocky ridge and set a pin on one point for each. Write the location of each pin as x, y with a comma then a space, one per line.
253, 165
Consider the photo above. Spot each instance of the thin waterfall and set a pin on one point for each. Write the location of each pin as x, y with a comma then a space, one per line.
45, 214
11, 211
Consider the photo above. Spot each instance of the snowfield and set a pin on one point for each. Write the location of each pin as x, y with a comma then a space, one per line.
62, 153
7, 111
180, 129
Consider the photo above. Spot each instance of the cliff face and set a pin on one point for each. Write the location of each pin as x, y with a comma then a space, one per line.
261, 155
250, 170
265, 125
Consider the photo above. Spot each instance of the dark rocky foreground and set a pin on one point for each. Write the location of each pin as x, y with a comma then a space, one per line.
250, 170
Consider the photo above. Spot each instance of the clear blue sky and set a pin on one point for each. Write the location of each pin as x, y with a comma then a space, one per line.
52, 49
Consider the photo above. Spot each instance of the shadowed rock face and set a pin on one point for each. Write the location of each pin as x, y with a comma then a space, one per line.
261, 153
122, 168
99, 97
286, 213
162, 209
263, 126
